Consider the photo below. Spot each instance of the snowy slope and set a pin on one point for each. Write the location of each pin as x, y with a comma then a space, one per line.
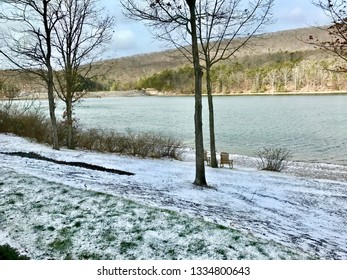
305, 210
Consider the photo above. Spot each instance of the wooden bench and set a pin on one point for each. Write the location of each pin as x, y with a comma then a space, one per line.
224, 159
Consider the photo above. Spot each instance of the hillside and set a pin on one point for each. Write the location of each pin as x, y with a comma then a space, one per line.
264, 54
129, 69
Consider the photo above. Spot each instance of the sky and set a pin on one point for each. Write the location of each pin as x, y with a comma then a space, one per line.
132, 37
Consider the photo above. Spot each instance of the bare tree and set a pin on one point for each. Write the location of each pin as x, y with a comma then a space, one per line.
224, 27
79, 37
28, 42
337, 45
176, 21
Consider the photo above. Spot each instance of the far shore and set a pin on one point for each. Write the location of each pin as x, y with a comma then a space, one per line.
153, 92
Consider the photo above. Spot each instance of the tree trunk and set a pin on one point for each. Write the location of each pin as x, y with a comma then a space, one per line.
200, 179
214, 162
69, 122
50, 78
51, 102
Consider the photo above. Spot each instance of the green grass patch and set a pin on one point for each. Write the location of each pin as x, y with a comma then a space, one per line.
38, 228
9, 253
197, 247
126, 246
60, 244
110, 227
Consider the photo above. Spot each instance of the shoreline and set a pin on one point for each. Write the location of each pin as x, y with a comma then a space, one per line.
151, 92
300, 169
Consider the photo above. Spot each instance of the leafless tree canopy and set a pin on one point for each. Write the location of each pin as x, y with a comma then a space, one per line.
82, 32
219, 22
336, 10
54, 39
176, 21
80, 37
28, 42
203, 31
225, 26
27, 31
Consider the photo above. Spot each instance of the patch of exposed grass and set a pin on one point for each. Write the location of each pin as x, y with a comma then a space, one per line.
115, 228
261, 250
197, 247
109, 235
60, 244
78, 224
236, 237
12, 201
39, 228
9, 253
139, 238
126, 246
19, 195
222, 253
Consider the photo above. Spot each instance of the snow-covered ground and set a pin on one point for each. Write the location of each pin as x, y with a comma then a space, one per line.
302, 210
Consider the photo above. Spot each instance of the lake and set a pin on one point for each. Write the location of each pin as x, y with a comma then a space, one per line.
314, 128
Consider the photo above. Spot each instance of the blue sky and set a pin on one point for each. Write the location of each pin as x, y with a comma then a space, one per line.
132, 37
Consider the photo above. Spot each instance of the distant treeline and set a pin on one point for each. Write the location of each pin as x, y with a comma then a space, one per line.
14, 84
285, 74
300, 71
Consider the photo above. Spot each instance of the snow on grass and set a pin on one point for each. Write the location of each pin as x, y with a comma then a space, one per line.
52, 221
91, 214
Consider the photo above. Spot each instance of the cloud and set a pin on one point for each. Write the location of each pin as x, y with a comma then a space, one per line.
295, 14
132, 38
124, 40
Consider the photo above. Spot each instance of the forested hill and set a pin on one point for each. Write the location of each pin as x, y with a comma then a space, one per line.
271, 47
274, 62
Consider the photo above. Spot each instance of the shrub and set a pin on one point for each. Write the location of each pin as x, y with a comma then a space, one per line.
9, 253
146, 144
272, 159
24, 120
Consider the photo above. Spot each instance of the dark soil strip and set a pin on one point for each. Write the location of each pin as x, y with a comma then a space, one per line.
71, 163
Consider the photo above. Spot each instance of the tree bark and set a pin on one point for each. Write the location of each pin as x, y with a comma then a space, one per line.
50, 77
69, 122
214, 162
51, 103
200, 179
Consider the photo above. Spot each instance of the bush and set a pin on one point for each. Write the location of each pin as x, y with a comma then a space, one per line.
273, 159
23, 120
26, 121
9, 253
145, 144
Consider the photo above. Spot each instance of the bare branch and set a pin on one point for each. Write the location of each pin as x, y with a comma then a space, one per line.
229, 27
337, 31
